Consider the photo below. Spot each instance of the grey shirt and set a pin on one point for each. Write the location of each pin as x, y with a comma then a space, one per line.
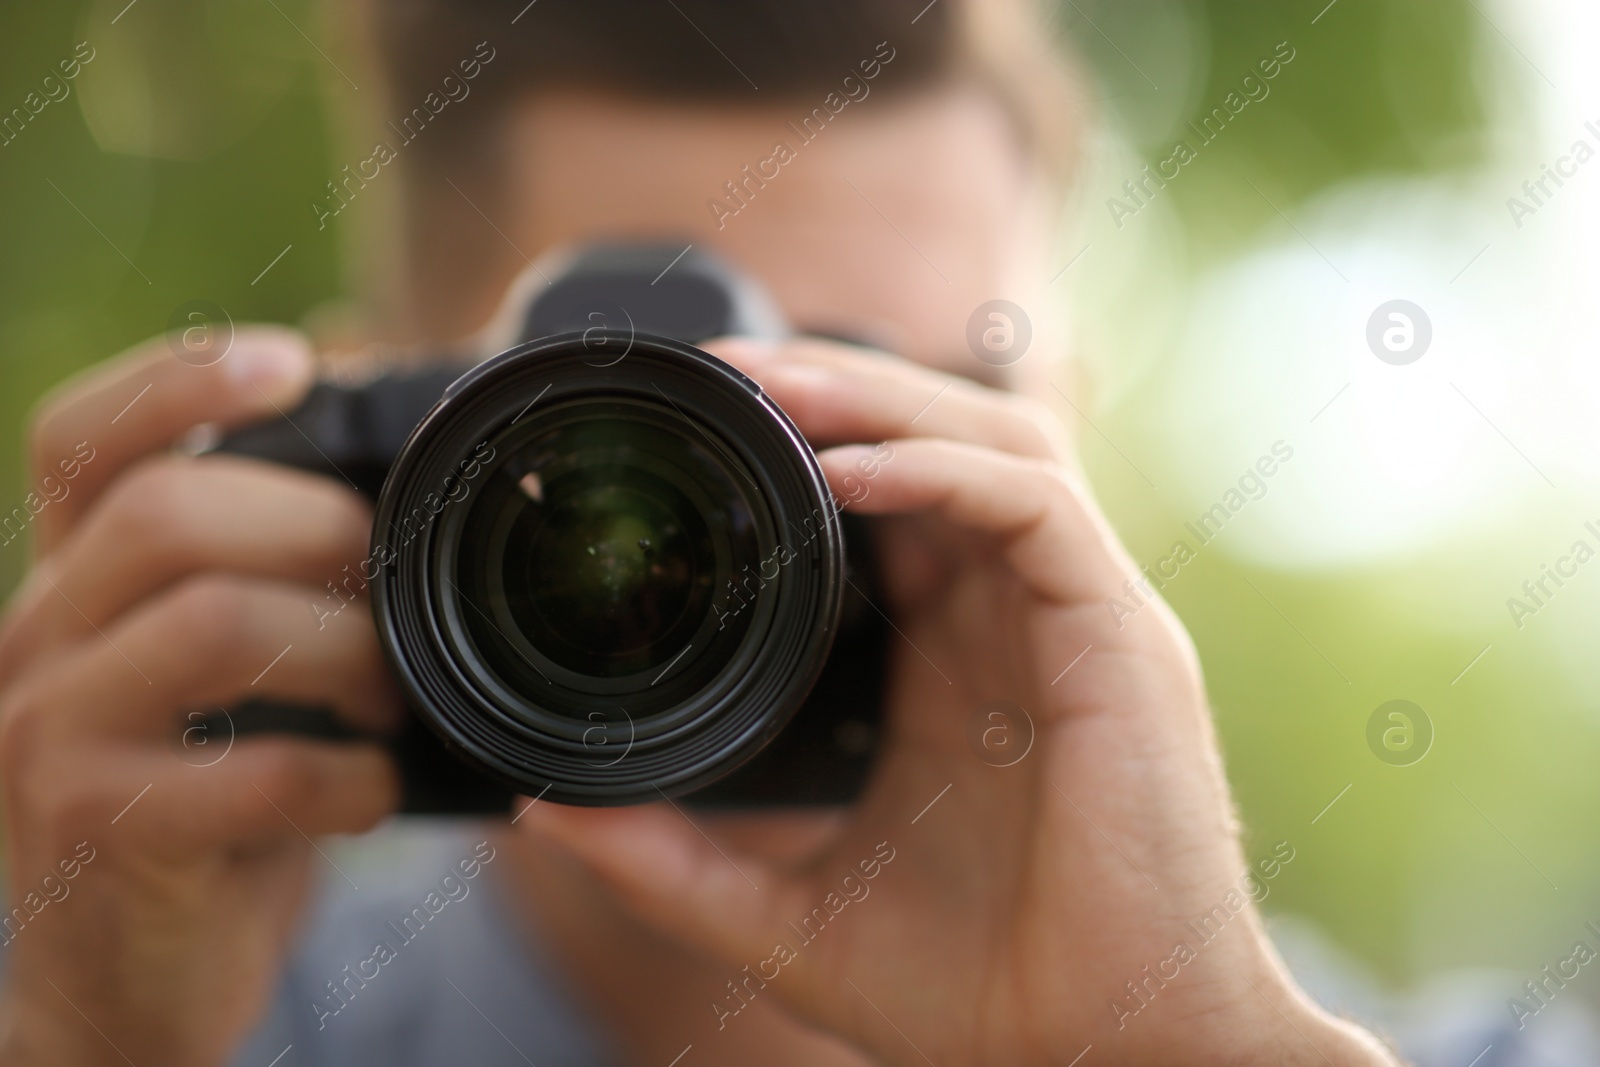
459, 984
455, 981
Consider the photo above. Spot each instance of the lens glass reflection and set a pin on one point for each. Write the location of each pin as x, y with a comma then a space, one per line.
602, 546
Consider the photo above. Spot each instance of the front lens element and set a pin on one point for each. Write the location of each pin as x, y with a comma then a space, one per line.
609, 571
600, 553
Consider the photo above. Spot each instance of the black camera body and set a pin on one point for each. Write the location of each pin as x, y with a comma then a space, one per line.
605, 567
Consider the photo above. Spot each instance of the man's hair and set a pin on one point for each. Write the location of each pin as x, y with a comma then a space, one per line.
728, 51
687, 49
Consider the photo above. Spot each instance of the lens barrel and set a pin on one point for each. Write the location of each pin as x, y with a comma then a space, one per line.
609, 568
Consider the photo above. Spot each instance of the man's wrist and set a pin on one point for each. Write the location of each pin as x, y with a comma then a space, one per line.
1267, 1020
1299, 1033
1343, 1044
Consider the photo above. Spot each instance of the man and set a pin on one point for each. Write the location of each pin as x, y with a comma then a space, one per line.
1033, 914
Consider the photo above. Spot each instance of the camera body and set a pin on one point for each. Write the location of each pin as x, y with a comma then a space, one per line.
554, 522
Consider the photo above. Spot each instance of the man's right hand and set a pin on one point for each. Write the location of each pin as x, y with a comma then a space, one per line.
164, 586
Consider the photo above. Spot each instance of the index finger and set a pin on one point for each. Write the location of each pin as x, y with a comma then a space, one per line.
91, 427
839, 394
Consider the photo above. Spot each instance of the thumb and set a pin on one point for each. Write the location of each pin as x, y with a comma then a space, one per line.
672, 873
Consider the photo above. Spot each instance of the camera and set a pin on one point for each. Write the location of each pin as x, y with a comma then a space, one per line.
605, 567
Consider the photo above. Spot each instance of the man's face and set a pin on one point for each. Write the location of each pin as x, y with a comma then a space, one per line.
890, 225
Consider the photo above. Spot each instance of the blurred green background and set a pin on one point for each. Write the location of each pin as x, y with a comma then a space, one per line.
199, 172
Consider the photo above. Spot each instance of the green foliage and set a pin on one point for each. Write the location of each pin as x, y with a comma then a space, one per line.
1376, 86
251, 128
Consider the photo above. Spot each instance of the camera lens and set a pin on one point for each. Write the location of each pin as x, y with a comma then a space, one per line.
606, 581
597, 549
598, 558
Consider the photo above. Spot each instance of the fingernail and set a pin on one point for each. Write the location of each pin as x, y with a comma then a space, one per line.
275, 369
749, 351
804, 375
850, 455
